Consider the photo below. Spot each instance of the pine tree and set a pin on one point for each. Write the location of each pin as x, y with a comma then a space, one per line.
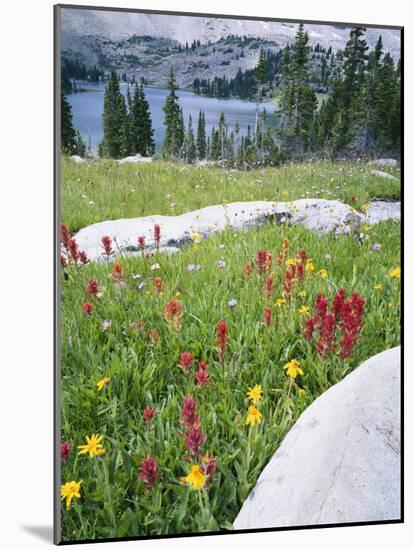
68, 134
348, 90
173, 121
201, 136
260, 78
115, 126
190, 147
222, 130
298, 100
141, 124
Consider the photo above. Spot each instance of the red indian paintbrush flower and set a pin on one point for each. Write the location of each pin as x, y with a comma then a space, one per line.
83, 257
107, 245
65, 235
345, 316
87, 308
173, 312
201, 376
189, 417
157, 234
248, 270
93, 288
149, 413
268, 289
73, 250
194, 439
267, 316
222, 340
141, 242
149, 471
261, 258
158, 284
208, 464
283, 253
269, 261
186, 360
117, 272
65, 450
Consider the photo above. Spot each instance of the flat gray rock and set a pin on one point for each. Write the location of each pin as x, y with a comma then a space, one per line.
137, 159
77, 158
379, 211
322, 216
383, 162
384, 175
340, 462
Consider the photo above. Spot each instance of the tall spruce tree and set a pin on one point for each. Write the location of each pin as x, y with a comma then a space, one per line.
190, 146
349, 115
201, 136
260, 79
68, 134
298, 100
141, 124
173, 121
115, 139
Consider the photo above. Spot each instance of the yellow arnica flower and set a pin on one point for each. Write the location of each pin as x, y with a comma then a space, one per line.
102, 383
301, 392
310, 266
291, 261
255, 394
178, 293
293, 368
304, 310
254, 416
302, 294
69, 490
378, 286
280, 302
196, 479
93, 446
395, 273
323, 273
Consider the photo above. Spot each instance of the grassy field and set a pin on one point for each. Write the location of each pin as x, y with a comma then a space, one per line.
129, 340
105, 190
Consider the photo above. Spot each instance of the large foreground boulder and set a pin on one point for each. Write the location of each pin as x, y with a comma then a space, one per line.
340, 462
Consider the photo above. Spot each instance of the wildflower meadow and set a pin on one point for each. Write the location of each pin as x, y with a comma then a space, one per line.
181, 375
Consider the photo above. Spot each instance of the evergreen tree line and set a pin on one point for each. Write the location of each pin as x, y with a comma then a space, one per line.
360, 115
244, 84
75, 70
71, 140
127, 122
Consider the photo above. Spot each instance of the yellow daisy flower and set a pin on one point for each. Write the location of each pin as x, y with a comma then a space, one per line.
293, 368
378, 286
302, 294
254, 416
280, 302
255, 394
395, 273
310, 266
70, 490
92, 446
102, 383
323, 273
304, 310
196, 479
